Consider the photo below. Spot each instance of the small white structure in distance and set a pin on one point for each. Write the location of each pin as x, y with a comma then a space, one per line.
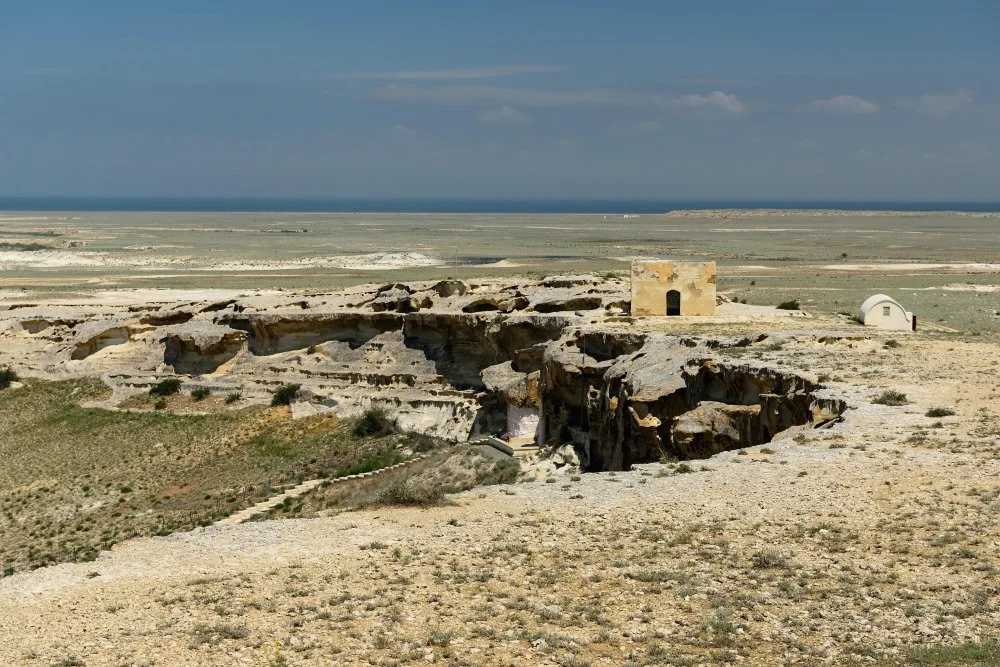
884, 312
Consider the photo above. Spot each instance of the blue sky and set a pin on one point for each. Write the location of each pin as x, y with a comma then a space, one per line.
669, 100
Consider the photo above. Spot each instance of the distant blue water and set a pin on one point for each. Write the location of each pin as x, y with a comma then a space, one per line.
304, 205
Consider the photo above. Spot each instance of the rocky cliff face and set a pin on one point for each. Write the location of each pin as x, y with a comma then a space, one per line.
667, 398
450, 358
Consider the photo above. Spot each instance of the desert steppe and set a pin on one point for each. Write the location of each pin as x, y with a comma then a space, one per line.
864, 533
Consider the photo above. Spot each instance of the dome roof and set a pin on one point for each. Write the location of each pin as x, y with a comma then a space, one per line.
875, 300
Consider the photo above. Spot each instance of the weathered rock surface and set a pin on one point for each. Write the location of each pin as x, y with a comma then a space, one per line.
449, 358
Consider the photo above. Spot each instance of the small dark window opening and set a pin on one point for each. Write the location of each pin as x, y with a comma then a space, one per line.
886, 310
673, 302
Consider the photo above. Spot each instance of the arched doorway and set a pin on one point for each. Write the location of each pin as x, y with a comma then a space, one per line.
673, 302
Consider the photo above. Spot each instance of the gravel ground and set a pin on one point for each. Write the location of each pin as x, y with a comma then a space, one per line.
849, 545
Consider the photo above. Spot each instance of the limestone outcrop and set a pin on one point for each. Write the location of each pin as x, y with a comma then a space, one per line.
550, 361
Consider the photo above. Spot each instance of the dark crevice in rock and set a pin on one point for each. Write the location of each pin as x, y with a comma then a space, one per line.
166, 319
273, 334
571, 304
606, 345
189, 356
643, 407
215, 307
461, 347
107, 338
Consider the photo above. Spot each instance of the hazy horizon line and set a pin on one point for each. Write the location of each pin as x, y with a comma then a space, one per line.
444, 204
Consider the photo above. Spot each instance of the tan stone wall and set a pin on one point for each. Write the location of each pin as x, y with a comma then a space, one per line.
651, 280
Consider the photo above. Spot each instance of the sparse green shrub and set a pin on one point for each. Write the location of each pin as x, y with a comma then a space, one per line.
789, 305
410, 492
683, 468
7, 376
939, 412
201, 393
421, 442
503, 471
891, 343
160, 404
167, 387
890, 397
769, 558
203, 633
659, 576
439, 638
369, 464
232, 397
375, 423
268, 445
969, 653
722, 628
285, 394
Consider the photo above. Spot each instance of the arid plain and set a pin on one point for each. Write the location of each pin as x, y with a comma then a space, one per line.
944, 265
870, 539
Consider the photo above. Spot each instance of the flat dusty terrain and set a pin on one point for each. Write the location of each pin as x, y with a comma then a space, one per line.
876, 541
867, 541
940, 265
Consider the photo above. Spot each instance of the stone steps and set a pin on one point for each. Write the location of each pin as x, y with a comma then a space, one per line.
274, 501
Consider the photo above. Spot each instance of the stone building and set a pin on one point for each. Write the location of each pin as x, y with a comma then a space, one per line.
884, 312
661, 287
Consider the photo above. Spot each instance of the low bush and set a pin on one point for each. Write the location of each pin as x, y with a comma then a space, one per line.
769, 558
285, 394
939, 412
232, 397
890, 397
421, 442
167, 387
411, 493
373, 423
7, 376
201, 393
23, 247
969, 653
789, 305
369, 464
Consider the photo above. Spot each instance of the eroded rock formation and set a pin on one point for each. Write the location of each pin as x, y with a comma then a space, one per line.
549, 360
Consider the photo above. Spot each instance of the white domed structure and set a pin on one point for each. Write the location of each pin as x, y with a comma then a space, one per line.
884, 312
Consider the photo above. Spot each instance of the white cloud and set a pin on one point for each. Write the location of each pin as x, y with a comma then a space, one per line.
503, 115
940, 104
527, 97
718, 100
637, 128
408, 92
455, 74
849, 104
